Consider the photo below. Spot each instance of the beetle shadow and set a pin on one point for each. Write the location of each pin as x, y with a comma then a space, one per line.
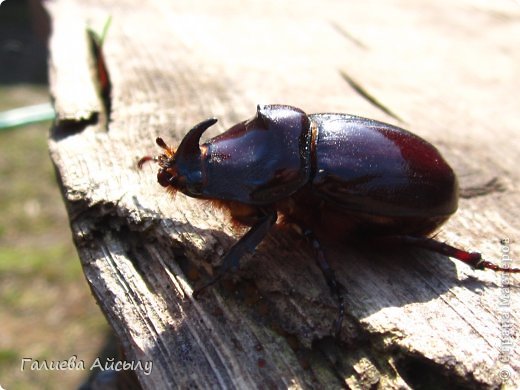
373, 277
377, 277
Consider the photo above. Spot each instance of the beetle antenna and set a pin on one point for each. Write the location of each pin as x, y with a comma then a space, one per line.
159, 141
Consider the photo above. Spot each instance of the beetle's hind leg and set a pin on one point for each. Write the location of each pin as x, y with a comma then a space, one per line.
247, 243
330, 278
473, 259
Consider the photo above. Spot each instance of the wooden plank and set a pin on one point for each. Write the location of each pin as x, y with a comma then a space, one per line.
77, 100
449, 70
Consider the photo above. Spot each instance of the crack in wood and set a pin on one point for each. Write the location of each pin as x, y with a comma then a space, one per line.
420, 372
63, 128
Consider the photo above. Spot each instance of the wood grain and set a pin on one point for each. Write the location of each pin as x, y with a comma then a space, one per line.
448, 70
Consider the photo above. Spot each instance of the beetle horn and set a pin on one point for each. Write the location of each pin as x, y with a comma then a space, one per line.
189, 147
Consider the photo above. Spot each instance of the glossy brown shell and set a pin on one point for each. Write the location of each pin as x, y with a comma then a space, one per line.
337, 171
372, 167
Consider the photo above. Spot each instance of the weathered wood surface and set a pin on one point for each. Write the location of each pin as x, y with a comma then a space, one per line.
448, 69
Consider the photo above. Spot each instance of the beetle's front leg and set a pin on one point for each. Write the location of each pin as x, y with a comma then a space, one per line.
330, 278
247, 243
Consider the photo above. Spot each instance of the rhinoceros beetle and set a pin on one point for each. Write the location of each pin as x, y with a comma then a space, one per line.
324, 174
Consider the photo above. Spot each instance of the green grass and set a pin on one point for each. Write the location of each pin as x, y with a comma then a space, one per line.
46, 307
28, 198
8, 356
55, 263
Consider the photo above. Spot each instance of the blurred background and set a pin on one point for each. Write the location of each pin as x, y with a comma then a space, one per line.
46, 308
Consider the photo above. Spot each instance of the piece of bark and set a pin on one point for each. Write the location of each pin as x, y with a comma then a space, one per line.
414, 319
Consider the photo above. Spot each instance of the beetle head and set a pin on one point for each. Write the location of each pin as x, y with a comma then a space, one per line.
181, 169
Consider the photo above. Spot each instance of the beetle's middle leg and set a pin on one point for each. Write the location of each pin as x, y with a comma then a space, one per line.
330, 278
473, 259
247, 243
